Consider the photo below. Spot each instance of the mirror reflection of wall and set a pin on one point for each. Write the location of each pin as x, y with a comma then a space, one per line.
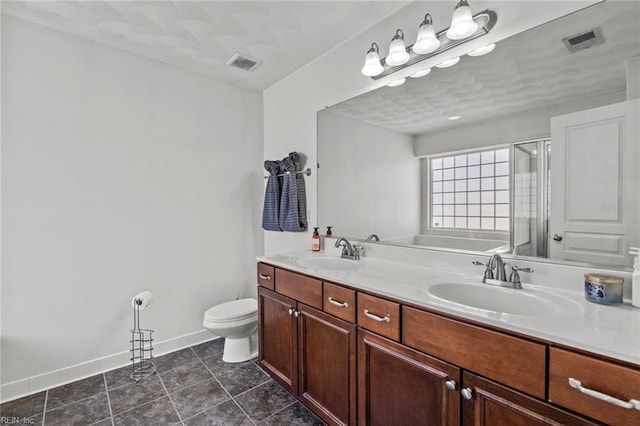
503, 98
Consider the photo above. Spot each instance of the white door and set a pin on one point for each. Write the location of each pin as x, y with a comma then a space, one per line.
595, 162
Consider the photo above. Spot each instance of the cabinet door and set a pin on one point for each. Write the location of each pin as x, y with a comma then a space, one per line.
278, 349
487, 403
327, 358
400, 386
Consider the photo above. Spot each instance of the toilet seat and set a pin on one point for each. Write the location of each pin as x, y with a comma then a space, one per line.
236, 310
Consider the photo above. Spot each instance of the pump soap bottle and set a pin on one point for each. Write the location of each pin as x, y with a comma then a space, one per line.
315, 240
635, 280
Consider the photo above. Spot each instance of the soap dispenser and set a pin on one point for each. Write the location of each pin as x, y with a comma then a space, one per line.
635, 280
315, 240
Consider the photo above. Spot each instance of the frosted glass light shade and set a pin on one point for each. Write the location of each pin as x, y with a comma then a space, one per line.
421, 73
426, 41
462, 24
482, 50
448, 63
372, 65
398, 54
398, 82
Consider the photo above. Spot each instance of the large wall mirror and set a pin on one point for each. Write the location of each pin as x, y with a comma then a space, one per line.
469, 157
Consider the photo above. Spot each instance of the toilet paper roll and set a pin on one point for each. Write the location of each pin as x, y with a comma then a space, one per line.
142, 300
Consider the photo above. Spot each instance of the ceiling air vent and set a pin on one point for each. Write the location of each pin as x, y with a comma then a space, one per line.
583, 40
243, 62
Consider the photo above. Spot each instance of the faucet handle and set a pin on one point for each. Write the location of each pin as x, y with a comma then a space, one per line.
515, 277
488, 273
357, 251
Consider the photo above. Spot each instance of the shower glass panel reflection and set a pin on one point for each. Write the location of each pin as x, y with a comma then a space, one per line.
530, 195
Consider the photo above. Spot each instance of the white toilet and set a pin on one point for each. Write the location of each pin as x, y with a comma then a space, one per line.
237, 322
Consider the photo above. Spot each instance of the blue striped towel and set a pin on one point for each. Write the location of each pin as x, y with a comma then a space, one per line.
293, 216
271, 209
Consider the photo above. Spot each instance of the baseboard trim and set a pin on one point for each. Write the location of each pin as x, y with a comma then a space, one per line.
34, 384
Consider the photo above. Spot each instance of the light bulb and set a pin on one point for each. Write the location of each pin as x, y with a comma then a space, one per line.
398, 54
372, 65
462, 24
426, 41
482, 50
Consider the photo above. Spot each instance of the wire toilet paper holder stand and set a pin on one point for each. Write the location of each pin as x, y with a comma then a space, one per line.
141, 347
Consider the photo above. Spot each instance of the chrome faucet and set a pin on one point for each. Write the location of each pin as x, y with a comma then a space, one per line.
499, 277
373, 237
496, 263
349, 251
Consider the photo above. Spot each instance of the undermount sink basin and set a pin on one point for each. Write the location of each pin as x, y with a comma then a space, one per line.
327, 262
495, 299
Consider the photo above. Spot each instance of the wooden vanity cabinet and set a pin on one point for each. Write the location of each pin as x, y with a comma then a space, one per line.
400, 386
486, 403
327, 365
598, 380
416, 367
278, 342
309, 352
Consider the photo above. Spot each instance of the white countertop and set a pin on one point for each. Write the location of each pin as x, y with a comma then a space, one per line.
612, 331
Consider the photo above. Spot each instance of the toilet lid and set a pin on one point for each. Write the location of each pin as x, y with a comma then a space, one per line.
232, 311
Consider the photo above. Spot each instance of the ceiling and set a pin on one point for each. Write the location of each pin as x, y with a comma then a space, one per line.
530, 70
203, 35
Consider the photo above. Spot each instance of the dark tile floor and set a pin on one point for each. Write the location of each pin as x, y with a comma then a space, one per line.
192, 387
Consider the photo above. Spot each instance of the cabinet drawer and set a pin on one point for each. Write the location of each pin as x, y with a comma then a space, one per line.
266, 276
302, 288
515, 362
619, 382
379, 315
339, 301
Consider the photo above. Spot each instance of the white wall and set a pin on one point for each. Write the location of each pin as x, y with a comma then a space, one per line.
290, 106
376, 167
119, 174
521, 126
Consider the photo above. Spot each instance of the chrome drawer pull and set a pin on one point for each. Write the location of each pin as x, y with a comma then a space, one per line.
264, 276
336, 303
632, 403
450, 384
377, 318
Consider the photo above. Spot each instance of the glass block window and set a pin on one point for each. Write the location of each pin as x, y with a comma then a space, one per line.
470, 190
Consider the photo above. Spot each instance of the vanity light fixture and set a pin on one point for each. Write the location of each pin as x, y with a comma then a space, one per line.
429, 43
482, 50
398, 82
398, 54
448, 63
426, 42
420, 73
462, 24
454, 117
372, 65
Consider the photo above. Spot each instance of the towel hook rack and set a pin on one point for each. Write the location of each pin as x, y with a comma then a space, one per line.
306, 172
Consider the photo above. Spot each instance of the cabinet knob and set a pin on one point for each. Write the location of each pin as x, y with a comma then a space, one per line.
296, 314
557, 237
467, 393
450, 384
291, 311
